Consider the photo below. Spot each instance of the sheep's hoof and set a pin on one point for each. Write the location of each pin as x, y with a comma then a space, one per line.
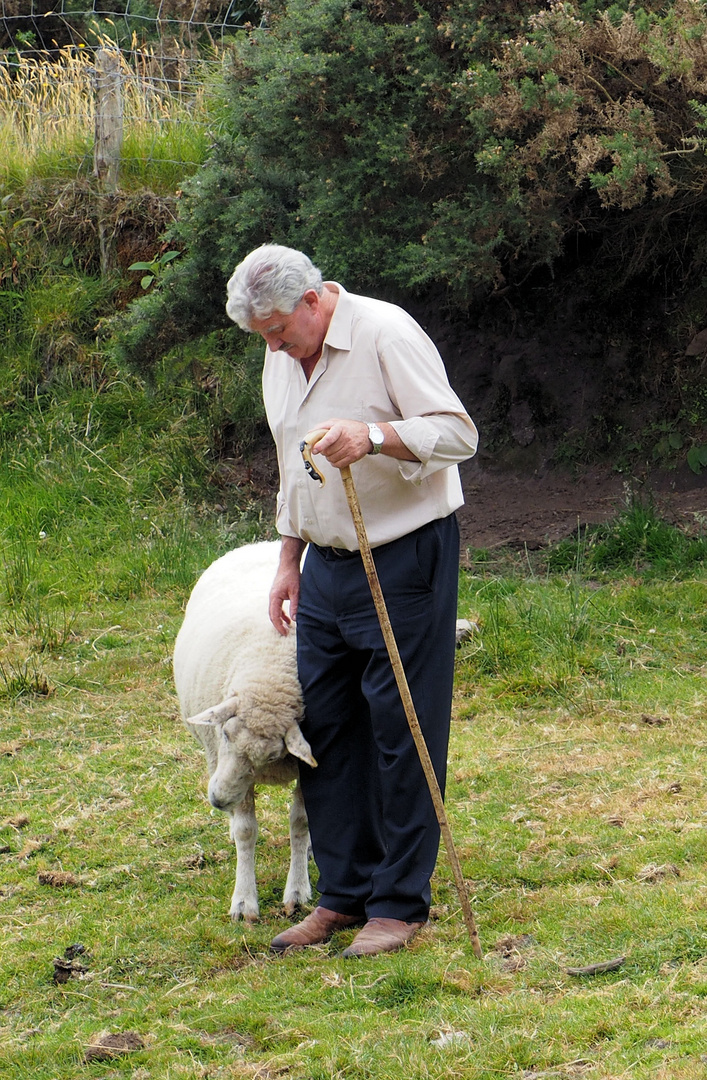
248, 914
292, 904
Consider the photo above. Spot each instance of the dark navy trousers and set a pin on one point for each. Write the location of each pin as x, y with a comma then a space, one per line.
372, 821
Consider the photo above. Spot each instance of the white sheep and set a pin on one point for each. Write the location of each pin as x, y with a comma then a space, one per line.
236, 680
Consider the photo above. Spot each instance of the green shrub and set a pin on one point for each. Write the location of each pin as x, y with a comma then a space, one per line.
445, 147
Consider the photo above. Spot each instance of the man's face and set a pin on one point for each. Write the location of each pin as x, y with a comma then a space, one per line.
299, 334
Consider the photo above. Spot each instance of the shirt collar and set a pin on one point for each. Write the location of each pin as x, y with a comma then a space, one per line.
338, 336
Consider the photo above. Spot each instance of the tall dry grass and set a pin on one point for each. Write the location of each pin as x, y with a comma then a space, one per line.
47, 115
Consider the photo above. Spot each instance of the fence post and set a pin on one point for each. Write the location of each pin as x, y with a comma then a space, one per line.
107, 148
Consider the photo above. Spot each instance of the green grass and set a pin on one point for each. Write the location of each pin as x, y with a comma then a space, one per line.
570, 642
576, 784
576, 798
638, 538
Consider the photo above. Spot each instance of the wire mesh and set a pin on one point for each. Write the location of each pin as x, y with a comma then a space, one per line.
171, 53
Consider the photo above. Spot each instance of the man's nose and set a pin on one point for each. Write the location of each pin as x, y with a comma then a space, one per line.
273, 341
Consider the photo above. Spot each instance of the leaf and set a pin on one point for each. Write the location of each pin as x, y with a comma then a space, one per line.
697, 458
698, 345
147, 281
141, 266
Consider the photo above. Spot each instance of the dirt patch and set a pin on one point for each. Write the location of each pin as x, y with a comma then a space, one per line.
547, 381
515, 509
106, 1047
538, 509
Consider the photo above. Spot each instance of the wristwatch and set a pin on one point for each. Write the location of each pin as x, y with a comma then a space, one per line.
377, 438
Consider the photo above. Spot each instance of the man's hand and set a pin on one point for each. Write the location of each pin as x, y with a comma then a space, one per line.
347, 441
285, 587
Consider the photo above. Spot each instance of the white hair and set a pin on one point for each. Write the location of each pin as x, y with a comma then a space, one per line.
272, 278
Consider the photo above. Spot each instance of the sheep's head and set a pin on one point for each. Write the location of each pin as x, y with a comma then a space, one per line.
244, 755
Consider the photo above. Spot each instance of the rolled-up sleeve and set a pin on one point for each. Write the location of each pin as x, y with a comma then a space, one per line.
283, 522
439, 440
435, 425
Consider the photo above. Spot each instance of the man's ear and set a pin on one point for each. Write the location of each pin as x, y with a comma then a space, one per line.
312, 299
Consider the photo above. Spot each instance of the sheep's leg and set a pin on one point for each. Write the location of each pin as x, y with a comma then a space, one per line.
297, 889
244, 832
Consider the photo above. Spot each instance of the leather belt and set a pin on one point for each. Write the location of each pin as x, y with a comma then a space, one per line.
336, 553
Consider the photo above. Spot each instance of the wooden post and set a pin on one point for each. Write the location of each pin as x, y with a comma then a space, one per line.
107, 148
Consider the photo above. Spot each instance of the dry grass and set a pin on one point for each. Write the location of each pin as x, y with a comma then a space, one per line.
47, 108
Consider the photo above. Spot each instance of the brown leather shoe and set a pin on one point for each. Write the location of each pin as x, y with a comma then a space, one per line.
317, 928
382, 935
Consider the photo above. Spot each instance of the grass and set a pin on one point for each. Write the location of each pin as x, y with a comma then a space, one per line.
47, 117
576, 799
576, 783
109, 492
637, 538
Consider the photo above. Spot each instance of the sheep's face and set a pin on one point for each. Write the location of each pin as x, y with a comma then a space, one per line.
245, 758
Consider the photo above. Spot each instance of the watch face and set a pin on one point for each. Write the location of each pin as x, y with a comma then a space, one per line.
376, 436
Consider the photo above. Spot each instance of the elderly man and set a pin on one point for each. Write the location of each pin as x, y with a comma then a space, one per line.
365, 372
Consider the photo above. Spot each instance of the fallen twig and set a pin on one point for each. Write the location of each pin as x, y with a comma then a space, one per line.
597, 969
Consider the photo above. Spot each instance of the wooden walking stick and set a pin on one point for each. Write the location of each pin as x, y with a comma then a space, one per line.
306, 446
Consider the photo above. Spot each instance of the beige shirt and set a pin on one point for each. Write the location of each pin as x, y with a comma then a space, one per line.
377, 365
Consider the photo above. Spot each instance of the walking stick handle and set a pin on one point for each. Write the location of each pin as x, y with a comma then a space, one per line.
306, 446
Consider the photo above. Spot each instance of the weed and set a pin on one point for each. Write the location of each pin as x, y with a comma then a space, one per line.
697, 458
46, 119
155, 270
12, 242
402, 989
19, 680
638, 539
41, 614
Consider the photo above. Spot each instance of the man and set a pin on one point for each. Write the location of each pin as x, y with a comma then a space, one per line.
366, 373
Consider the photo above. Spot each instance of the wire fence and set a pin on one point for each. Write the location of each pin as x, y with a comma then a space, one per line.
45, 26
170, 54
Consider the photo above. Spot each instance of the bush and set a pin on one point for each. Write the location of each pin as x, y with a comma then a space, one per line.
447, 147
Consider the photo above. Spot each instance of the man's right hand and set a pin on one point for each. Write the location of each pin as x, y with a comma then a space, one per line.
285, 587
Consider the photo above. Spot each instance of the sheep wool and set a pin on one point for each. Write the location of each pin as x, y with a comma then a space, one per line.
236, 680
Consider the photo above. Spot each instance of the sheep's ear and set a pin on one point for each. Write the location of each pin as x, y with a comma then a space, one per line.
217, 714
298, 745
